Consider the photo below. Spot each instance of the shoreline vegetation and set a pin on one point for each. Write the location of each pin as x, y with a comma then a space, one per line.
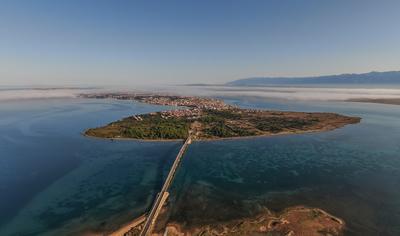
209, 119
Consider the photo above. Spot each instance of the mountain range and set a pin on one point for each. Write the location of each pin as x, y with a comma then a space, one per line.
389, 77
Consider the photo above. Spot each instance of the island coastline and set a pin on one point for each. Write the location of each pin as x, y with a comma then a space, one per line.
209, 120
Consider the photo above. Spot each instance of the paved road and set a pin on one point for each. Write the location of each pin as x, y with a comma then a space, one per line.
156, 205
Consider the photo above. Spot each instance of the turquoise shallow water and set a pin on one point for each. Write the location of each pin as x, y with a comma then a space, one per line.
353, 172
53, 180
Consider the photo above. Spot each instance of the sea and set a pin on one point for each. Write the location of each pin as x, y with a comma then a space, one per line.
55, 181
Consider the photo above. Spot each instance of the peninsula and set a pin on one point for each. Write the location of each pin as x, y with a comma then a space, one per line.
208, 119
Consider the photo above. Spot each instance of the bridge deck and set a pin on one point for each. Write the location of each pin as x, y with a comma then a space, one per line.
161, 196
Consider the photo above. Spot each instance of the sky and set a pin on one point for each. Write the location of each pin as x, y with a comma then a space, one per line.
129, 43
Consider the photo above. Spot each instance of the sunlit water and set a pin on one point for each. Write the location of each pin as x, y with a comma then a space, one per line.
54, 180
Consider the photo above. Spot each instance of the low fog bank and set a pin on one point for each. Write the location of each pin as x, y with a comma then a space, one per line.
311, 94
39, 93
281, 93
294, 93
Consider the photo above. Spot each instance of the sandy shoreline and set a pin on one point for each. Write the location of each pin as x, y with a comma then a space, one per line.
128, 226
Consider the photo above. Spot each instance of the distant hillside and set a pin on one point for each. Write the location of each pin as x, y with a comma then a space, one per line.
390, 77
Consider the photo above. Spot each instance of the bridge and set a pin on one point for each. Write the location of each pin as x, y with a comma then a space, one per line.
163, 194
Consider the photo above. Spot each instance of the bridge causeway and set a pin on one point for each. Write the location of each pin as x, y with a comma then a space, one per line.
163, 194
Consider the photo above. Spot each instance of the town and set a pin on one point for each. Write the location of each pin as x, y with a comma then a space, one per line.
193, 105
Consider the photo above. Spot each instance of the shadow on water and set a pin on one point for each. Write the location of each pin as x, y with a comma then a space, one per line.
163, 167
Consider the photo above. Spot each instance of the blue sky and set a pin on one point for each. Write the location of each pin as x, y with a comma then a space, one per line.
170, 42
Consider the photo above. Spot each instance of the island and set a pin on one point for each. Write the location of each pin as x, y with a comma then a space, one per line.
209, 119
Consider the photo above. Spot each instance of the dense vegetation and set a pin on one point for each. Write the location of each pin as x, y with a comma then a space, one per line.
151, 127
154, 127
222, 130
278, 124
218, 127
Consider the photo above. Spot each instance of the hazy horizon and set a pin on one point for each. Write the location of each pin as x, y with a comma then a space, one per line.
284, 93
83, 43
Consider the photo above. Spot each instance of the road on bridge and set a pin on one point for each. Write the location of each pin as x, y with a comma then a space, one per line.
163, 194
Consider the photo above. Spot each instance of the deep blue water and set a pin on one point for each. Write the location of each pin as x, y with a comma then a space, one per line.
54, 180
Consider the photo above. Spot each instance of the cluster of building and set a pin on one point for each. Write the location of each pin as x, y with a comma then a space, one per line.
167, 100
138, 118
193, 102
119, 96
191, 114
